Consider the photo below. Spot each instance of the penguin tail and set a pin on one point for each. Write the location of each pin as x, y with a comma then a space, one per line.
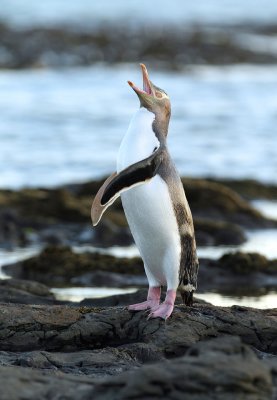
187, 297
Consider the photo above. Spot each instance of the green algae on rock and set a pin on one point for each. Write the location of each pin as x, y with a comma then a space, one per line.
58, 265
245, 263
62, 216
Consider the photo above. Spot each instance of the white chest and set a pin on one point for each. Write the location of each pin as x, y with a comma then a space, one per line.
139, 140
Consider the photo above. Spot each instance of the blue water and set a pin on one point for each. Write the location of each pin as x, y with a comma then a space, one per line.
61, 126
133, 12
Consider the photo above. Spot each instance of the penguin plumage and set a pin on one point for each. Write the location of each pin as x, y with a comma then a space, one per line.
154, 203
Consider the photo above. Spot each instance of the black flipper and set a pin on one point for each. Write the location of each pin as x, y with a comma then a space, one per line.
134, 175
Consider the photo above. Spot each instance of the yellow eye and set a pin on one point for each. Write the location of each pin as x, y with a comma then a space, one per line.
159, 95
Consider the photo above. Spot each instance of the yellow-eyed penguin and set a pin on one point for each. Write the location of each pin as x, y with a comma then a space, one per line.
154, 203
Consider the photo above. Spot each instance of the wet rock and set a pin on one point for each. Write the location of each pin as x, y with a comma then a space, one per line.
56, 216
233, 274
47, 205
236, 373
64, 328
250, 188
22, 383
238, 274
117, 300
96, 363
59, 266
25, 292
12, 232
62, 216
216, 201
150, 358
247, 263
209, 200
113, 230
127, 299
109, 279
215, 233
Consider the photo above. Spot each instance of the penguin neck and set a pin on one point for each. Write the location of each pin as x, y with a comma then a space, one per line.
160, 127
139, 141
160, 124
143, 126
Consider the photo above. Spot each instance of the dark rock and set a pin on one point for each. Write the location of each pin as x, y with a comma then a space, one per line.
220, 368
56, 216
12, 233
215, 233
109, 279
250, 189
127, 299
202, 351
236, 373
247, 263
209, 200
59, 266
22, 384
233, 274
25, 292
62, 216
238, 274
47, 205
64, 328
116, 300
216, 201
113, 230
96, 363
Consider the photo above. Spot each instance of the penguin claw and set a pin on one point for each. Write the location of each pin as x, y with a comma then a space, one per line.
163, 311
146, 305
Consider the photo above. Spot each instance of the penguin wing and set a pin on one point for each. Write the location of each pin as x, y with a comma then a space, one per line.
134, 175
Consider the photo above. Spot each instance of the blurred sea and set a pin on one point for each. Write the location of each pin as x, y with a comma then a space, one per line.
62, 126
133, 12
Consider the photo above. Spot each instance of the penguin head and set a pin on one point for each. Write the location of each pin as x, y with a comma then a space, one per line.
153, 98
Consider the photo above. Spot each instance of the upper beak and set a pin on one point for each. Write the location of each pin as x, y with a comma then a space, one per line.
147, 86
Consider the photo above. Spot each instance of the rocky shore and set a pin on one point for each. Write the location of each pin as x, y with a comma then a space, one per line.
170, 46
204, 351
62, 215
52, 349
57, 266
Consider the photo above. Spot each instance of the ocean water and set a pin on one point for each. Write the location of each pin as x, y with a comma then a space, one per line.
60, 126
133, 12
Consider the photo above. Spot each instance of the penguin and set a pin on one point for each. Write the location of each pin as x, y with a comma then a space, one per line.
154, 203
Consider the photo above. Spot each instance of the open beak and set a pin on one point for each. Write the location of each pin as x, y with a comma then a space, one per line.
147, 86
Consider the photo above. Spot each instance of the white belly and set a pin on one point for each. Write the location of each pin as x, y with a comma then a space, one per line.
153, 224
148, 207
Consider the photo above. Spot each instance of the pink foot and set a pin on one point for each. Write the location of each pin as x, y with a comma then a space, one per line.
165, 309
152, 302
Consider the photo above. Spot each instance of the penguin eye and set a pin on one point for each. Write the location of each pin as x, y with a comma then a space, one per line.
159, 95
155, 148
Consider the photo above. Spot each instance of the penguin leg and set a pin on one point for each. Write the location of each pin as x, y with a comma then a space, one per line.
165, 309
187, 297
153, 300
